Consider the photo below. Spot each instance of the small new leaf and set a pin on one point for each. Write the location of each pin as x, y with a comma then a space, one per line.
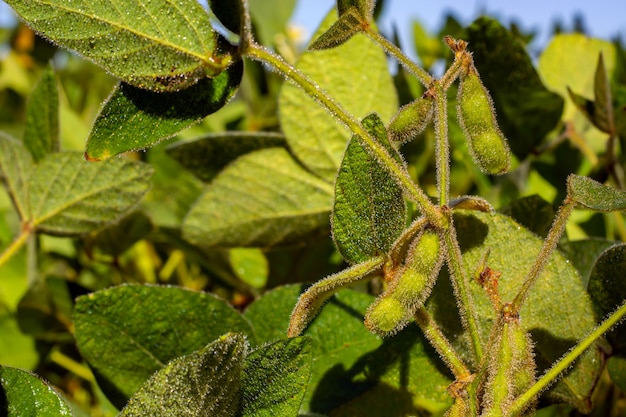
160, 45
603, 119
41, 133
365, 8
134, 119
343, 29
204, 383
593, 195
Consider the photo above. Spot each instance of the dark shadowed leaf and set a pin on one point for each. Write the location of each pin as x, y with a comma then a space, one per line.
70, 196
24, 394
41, 134
205, 157
343, 29
264, 198
124, 349
593, 195
369, 211
118, 238
159, 45
275, 378
516, 88
584, 253
603, 119
533, 212
203, 383
133, 118
606, 282
356, 373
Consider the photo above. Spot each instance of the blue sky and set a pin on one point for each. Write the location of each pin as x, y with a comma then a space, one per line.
603, 18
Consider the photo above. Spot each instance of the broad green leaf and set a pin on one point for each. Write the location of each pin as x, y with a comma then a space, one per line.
616, 366
595, 196
532, 212
369, 211
16, 348
570, 61
314, 135
354, 372
348, 25
23, 394
161, 45
270, 18
264, 198
134, 119
250, 265
41, 134
70, 196
205, 157
203, 383
606, 282
275, 378
517, 90
583, 254
558, 293
16, 164
127, 333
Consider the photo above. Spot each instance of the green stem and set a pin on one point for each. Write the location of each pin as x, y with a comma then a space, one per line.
558, 226
566, 361
15, 246
461, 283
425, 78
442, 147
397, 170
439, 341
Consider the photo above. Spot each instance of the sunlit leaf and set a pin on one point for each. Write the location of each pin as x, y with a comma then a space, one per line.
314, 136
275, 378
159, 45
41, 134
271, 17
369, 211
206, 156
124, 348
24, 394
134, 119
595, 196
203, 383
70, 196
16, 164
262, 199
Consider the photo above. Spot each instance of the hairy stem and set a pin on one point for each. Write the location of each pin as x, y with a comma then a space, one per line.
442, 147
439, 341
422, 75
558, 226
396, 169
566, 361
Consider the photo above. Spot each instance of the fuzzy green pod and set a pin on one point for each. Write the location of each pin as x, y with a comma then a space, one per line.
511, 368
476, 115
411, 119
385, 316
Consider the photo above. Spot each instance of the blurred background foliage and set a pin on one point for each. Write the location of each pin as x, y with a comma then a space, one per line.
550, 138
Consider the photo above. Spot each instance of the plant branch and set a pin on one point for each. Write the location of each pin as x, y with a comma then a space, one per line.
439, 341
566, 361
442, 147
558, 226
396, 169
16, 245
422, 75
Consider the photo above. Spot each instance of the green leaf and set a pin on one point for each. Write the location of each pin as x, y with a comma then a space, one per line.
250, 265
558, 293
16, 164
348, 25
41, 134
16, 348
606, 281
118, 238
532, 212
204, 383
364, 7
616, 366
205, 157
160, 45
134, 119
603, 99
516, 88
570, 61
264, 198
127, 333
70, 196
369, 211
313, 135
24, 394
593, 195
354, 372
275, 378
271, 18
45, 310
583, 254
230, 14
